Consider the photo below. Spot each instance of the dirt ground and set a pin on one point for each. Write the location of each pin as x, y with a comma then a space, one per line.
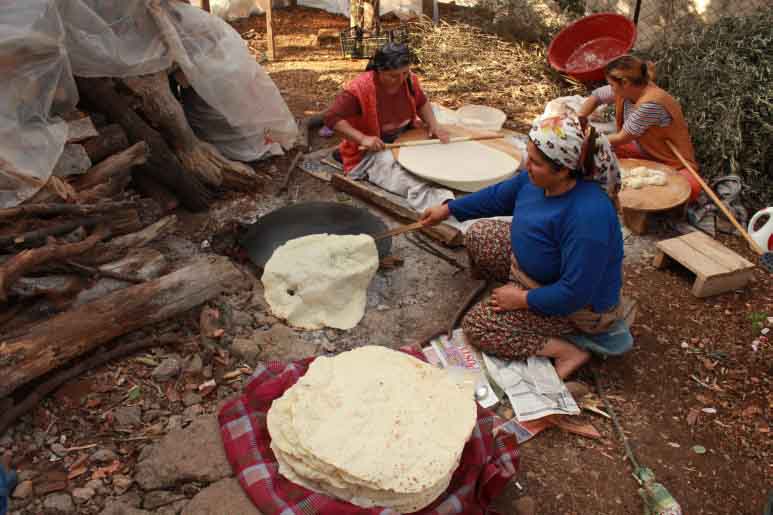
694, 377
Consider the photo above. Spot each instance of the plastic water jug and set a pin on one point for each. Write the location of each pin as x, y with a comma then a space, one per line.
764, 235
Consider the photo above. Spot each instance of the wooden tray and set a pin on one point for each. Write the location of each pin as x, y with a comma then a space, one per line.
655, 198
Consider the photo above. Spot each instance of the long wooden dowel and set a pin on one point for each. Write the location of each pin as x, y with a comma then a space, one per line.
721, 205
422, 142
399, 230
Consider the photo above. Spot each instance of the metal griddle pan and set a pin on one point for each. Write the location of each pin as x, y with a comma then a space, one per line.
276, 228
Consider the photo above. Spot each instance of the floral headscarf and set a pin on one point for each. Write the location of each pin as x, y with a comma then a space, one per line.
562, 139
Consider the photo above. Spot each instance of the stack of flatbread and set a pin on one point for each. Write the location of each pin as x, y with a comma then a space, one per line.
374, 427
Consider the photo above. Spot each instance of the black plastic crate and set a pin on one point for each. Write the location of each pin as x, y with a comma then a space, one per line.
357, 45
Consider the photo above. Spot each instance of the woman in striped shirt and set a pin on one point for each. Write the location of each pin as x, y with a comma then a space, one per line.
647, 117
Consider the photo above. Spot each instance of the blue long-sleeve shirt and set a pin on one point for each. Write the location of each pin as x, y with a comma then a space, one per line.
570, 243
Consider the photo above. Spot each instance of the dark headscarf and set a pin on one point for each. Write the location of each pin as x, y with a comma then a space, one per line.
390, 57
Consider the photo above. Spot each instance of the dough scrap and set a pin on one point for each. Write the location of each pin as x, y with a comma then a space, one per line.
321, 280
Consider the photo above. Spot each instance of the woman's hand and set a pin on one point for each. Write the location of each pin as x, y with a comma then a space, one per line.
435, 214
440, 133
508, 298
372, 143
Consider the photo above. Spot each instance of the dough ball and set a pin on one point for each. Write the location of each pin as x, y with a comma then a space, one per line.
658, 179
636, 182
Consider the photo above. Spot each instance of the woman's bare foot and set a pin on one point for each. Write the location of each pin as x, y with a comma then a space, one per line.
568, 358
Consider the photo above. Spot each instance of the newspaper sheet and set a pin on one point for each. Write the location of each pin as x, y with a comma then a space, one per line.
455, 353
534, 388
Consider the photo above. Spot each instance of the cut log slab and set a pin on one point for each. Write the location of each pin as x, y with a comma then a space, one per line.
64, 209
45, 346
114, 165
118, 247
111, 140
165, 165
47, 286
27, 260
55, 190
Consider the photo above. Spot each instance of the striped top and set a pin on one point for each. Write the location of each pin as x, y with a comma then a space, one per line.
636, 120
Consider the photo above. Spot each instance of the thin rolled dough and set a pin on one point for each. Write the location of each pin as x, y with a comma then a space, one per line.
321, 280
463, 166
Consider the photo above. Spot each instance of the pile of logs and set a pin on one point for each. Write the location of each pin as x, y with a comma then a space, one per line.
77, 264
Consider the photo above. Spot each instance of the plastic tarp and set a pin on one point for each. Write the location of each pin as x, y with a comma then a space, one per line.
45, 42
235, 9
37, 82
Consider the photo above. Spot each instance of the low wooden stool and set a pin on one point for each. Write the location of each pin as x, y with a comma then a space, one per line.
717, 268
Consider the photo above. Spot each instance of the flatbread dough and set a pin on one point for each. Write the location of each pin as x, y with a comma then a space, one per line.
463, 166
641, 176
321, 280
389, 436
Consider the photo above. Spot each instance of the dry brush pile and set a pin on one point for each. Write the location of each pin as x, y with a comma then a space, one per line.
461, 63
723, 75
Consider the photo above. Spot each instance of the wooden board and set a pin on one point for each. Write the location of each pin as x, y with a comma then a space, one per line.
443, 233
655, 198
717, 268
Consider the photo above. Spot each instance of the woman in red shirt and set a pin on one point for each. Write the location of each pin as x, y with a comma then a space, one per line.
376, 107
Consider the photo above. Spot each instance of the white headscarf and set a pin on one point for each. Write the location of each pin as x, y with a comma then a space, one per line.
561, 138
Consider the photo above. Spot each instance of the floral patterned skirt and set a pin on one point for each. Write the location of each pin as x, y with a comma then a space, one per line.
511, 334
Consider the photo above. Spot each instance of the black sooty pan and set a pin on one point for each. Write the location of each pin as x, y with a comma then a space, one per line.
278, 227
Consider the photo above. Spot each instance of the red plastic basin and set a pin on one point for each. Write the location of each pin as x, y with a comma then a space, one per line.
584, 48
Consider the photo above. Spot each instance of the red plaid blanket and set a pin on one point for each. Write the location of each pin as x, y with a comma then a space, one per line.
487, 463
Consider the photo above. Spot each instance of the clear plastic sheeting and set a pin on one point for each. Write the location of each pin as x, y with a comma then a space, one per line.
37, 83
112, 38
43, 43
236, 9
225, 75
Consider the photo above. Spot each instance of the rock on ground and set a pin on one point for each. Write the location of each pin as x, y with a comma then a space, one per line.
191, 454
225, 496
23, 490
59, 503
128, 416
280, 343
83, 495
159, 498
168, 369
122, 508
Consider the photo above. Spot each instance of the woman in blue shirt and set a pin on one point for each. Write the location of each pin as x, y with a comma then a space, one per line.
561, 258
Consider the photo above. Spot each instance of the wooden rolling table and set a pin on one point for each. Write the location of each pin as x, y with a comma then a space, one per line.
638, 203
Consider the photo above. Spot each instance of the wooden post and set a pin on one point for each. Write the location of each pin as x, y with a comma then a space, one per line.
428, 8
271, 49
205, 5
